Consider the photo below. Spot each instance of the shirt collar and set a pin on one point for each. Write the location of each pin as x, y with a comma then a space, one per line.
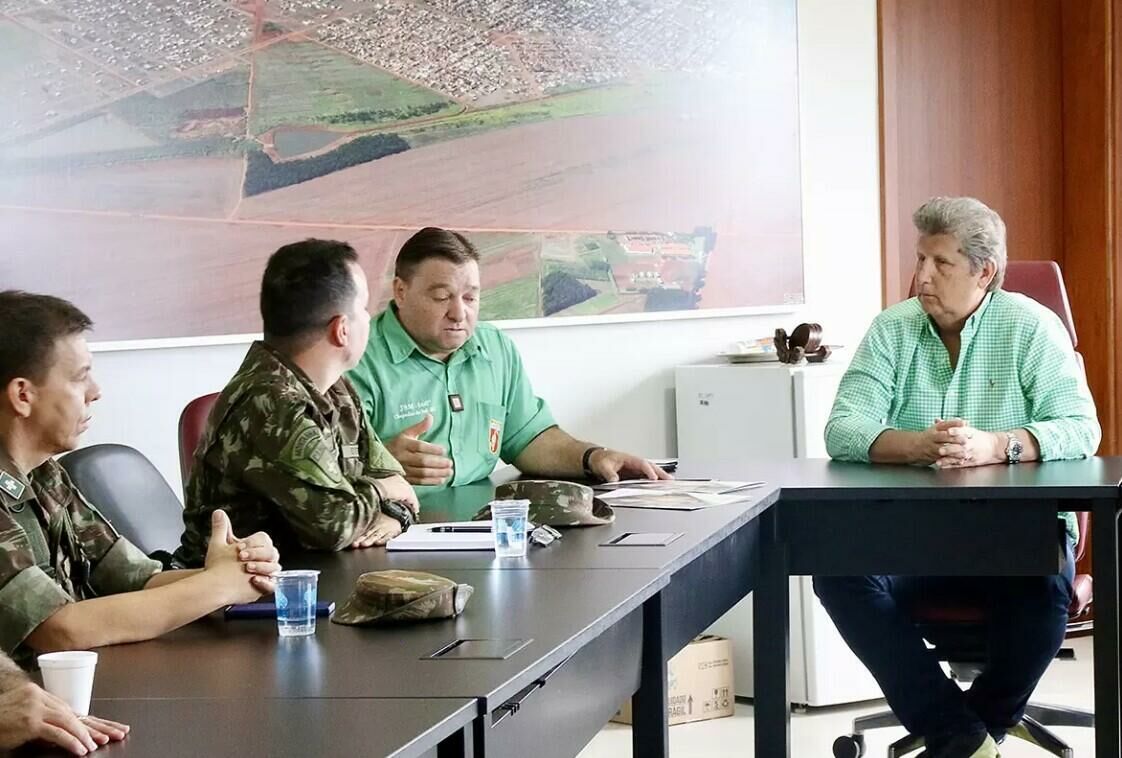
262, 351
15, 488
972, 321
401, 345
971, 325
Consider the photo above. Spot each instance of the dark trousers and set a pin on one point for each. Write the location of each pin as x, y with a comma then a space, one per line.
1027, 620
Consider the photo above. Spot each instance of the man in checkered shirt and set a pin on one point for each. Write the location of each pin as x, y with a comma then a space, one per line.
964, 374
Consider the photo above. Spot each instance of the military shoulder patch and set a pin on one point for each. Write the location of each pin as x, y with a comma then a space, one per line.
312, 457
11, 485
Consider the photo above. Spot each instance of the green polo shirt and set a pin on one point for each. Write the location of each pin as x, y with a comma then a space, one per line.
1016, 370
501, 415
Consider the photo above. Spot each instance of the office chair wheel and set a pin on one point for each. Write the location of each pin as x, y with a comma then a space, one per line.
849, 746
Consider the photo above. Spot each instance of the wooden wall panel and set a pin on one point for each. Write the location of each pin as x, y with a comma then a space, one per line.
1017, 103
971, 100
1013, 102
1114, 254
1088, 205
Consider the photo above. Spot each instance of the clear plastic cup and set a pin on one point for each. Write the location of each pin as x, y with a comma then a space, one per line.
508, 525
296, 603
69, 676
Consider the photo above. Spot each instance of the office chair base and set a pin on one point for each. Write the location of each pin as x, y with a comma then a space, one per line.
906, 744
1058, 715
849, 746
1030, 729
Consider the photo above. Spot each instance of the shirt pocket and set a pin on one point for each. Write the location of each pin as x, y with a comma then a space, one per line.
488, 429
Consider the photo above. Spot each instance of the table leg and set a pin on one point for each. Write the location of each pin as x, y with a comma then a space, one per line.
458, 745
771, 650
1104, 541
650, 728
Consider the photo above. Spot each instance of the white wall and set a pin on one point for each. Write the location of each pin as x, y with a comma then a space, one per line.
622, 393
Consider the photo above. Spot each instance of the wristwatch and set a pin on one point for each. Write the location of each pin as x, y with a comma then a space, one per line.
1013, 449
399, 512
586, 463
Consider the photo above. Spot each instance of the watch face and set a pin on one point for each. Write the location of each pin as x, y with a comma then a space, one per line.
1014, 450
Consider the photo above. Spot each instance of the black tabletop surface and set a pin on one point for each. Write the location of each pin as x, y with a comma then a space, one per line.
238, 727
558, 611
579, 547
822, 479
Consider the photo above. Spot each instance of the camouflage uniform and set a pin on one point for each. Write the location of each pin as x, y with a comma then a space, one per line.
55, 548
281, 457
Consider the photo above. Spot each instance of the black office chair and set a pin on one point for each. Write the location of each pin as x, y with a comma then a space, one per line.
130, 492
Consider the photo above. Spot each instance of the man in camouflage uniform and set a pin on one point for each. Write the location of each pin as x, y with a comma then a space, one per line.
287, 448
68, 580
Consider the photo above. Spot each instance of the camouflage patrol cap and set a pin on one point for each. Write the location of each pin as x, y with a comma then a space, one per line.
555, 503
395, 596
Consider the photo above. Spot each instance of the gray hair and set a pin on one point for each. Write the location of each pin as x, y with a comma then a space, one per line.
979, 230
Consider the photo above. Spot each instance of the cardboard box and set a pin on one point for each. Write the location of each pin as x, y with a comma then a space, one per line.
700, 683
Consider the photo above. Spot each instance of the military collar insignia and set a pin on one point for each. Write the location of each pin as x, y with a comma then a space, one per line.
11, 485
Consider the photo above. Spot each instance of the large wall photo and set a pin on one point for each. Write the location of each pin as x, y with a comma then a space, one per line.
608, 157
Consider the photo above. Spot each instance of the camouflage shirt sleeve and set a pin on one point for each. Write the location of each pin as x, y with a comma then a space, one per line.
379, 462
116, 564
28, 594
293, 462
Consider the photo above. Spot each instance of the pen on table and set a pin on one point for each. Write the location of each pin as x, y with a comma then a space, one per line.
738, 488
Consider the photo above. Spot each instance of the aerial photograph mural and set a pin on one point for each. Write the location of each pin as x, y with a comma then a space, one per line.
607, 157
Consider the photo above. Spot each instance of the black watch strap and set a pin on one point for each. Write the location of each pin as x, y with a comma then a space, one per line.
586, 461
399, 512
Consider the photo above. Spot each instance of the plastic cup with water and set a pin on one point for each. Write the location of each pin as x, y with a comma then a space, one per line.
69, 676
296, 603
508, 524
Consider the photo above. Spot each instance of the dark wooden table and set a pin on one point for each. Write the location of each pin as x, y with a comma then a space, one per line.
851, 519
602, 622
583, 631
710, 568
241, 727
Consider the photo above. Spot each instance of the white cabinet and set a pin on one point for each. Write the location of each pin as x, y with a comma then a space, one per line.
729, 414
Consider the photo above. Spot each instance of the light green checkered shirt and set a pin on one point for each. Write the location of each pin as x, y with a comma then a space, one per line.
1016, 370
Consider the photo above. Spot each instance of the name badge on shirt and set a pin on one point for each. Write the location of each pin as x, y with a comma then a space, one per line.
350, 451
456, 403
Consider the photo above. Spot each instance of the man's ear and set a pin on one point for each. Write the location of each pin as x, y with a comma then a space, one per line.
338, 331
989, 271
399, 287
20, 395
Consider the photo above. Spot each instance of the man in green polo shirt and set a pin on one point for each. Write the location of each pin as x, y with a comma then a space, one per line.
964, 374
451, 396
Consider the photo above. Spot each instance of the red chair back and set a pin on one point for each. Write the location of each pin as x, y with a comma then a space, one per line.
192, 423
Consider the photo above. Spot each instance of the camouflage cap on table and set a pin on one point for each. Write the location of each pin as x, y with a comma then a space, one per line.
555, 503
386, 597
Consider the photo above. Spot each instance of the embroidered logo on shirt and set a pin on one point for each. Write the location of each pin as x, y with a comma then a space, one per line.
15, 487
494, 435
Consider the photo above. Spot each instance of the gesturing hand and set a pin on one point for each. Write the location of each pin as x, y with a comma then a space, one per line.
424, 462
